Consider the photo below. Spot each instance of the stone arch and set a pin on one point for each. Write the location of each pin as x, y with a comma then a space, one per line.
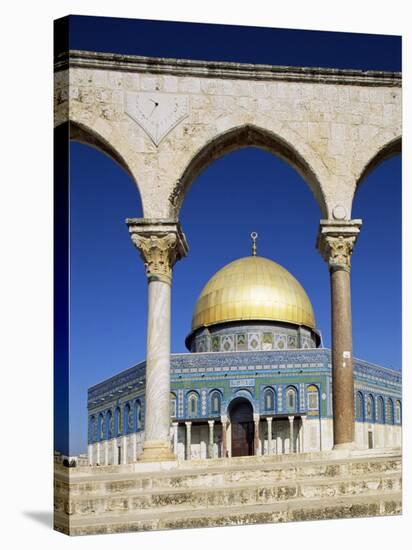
84, 134
385, 151
100, 140
241, 136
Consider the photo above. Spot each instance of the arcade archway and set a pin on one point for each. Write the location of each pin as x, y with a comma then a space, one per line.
242, 427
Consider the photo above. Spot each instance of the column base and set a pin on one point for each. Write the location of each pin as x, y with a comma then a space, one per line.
156, 451
350, 446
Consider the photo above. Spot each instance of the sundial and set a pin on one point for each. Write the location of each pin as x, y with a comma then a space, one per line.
156, 112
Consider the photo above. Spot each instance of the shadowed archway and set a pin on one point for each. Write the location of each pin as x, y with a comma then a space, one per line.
243, 432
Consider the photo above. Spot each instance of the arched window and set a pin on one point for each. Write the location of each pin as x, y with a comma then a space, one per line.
291, 399
138, 414
119, 421
173, 403
359, 406
193, 404
398, 412
215, 402
370, 402
379, 410
313, 398
389, 411
109, 424
128, 419
101, 427
269, 397
92, 429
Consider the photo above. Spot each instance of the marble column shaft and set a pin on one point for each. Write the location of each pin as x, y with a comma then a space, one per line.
188, 440
303, 419
256, 419
336, 242
161, 243
211, 437
269, 422
224, 436
291, 434
175, 436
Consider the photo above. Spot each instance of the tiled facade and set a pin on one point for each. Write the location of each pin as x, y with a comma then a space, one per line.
204, 384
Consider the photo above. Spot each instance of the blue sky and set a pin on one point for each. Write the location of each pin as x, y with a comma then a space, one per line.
247, 190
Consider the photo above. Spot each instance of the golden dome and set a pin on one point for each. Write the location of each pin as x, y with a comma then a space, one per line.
253, 289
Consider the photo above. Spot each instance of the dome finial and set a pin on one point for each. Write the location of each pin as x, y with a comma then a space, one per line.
254, 236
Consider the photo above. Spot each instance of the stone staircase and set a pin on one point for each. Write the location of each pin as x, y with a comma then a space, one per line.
214, 492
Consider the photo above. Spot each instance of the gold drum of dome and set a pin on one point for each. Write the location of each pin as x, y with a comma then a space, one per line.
253, 289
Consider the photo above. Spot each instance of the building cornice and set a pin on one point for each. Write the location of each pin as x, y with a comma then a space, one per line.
223, 69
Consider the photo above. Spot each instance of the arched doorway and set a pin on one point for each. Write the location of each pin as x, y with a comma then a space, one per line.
242, 427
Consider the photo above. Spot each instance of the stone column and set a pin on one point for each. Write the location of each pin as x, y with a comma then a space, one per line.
211, 438
291, 435
161, 243
188, 440
115, 452
224, 435
269, 422
106, 453
124, 450
98, 449
302, 431
256, 419
134, 446
175, 436
90, 454
335, 242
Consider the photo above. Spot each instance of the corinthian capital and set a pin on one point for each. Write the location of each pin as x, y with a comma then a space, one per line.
339, 250
336, 242
161, 244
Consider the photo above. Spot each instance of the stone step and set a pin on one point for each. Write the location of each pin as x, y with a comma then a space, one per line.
126, 501
348, 506
184, 475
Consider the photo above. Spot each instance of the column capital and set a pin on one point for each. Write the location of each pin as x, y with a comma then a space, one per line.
335, 242
269, 419
256, 417
210, 422
291, 418
224, 419
161, 244
174, 424
188, 423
